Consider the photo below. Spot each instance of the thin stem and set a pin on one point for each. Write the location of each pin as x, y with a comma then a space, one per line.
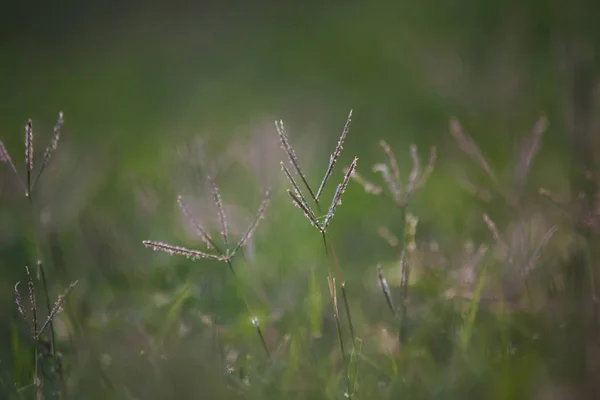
264, 343
404, 279
254, 319
48, 306
348, 314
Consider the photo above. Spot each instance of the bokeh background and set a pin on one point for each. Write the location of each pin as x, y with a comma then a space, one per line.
158, 95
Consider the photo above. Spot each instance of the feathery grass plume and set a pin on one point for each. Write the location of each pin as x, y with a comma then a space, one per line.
182, 251
368, 186
495, 233
416, 170
389, 180
51, 147
392, 161
306, 210
528, 151
32, 301
385, 289
200, 231
337, 198
220, 211
430, 166
298, 193
260, 335
5, 157
221, 255
29, 153
58, 306
470, 148
391, 176
293, 158
335, 155
19, 302
260, 214
538, 251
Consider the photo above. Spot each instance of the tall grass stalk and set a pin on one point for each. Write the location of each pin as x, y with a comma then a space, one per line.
299, 200
29, 186
225, 255
401, 196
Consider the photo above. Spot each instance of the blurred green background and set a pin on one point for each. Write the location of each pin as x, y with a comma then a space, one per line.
157, 96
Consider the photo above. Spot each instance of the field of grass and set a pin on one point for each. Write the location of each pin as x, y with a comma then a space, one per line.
206, 220
262, 304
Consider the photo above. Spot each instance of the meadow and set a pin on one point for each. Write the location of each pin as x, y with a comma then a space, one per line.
334, 202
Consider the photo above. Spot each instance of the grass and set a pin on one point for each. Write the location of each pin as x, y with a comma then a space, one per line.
500, 318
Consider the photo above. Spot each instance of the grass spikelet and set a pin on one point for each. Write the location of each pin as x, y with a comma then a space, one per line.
220, 211
260, 214
335, 155
29, 153
306, 210
297, 190
495, 233
470, 148
392, 161
416, 170
538, 251
389, 180
200, 231
58, 305
337, 198
368, 186
182, 251
430, 166
4, 157
385, 289
529, 151
32, 301
293, 158
19, 302
51, 147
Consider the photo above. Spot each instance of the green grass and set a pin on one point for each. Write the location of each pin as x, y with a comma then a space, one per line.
509, 315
